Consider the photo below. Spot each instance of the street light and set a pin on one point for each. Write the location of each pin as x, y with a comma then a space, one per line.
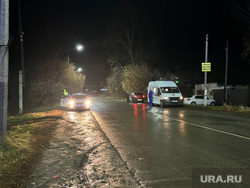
79, 69
79, 47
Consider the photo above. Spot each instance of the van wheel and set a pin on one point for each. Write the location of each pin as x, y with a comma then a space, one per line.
193, 103
162, 105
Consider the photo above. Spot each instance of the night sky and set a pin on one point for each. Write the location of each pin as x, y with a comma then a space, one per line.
56, 26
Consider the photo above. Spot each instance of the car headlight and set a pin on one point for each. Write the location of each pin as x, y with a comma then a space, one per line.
71, 102
166, 98
87, 102
181, 97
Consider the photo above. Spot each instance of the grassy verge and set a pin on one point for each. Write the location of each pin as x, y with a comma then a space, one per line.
227, 108
26, 138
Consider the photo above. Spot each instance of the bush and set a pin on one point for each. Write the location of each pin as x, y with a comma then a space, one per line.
114, 83
136, 77
54, 75
43, 93
235, 108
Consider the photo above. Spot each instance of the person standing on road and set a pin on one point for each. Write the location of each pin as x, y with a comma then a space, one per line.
150, 95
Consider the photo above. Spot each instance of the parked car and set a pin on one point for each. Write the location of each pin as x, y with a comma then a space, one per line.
76, 101
136, 97
198, 100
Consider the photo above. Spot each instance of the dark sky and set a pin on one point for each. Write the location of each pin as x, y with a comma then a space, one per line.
56, 26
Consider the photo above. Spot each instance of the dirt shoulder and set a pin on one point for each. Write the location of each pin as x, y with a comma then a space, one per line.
79, 155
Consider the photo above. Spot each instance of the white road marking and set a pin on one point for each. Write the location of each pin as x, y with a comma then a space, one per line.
211, 129
204, 127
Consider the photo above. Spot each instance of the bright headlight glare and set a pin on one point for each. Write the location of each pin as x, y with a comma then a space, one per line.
87, 102
181, 97
166, 98
71, 102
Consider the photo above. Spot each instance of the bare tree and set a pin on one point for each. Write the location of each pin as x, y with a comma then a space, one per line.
129, 36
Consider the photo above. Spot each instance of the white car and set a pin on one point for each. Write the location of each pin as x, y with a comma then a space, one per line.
76, 101
198, 100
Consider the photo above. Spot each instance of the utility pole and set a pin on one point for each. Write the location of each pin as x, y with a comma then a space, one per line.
226, 70
4, 66
22, 72
21, 40
205, 73
20, 92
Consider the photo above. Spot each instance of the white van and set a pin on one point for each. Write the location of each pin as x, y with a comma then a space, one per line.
165, 93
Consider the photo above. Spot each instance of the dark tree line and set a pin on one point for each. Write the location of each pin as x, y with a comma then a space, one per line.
240, 10
46, 80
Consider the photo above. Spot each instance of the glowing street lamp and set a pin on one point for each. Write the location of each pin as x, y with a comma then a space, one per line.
79, 69
79, 47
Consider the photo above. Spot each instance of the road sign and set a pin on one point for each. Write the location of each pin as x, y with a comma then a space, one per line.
206, 67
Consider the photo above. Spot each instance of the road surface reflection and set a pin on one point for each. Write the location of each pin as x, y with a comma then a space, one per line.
162, 118
139, 117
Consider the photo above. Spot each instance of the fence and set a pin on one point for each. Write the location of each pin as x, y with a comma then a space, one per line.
236, 97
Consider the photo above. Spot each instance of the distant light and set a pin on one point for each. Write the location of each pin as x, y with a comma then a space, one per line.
79, 47
79, 69
103, 89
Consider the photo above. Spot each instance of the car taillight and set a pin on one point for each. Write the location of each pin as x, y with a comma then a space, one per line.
188, 99
135, 96
143, 96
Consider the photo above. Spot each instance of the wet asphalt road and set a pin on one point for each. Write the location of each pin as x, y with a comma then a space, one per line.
162, 147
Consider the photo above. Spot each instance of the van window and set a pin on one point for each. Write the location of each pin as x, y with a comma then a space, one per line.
155, 90
159, 92
199, 97
170, 90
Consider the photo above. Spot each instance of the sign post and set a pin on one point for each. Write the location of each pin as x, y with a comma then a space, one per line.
205, 73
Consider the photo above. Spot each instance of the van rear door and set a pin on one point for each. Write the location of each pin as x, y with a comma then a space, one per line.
157, 95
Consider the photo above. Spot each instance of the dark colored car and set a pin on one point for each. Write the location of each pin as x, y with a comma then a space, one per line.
136, 97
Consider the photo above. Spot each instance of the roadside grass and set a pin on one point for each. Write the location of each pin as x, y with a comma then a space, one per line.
23, 147
227, 108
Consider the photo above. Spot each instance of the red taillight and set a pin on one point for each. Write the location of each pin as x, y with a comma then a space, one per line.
143, 96
188, 99
135, 96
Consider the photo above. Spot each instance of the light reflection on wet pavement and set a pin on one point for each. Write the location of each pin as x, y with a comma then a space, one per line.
163, 146
79, 155
160, 147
